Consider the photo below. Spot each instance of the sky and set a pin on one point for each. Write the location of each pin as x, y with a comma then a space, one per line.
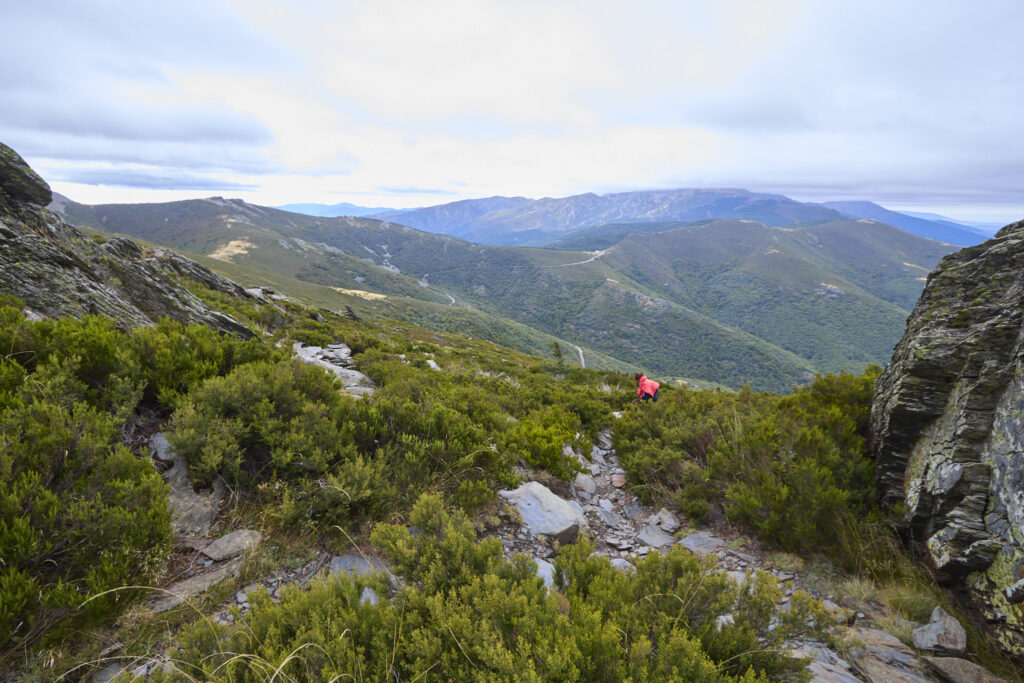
915, 104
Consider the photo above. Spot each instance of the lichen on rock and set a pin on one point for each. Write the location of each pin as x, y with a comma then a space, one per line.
947, 427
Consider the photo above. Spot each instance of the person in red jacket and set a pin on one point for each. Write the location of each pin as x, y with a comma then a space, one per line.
646, 389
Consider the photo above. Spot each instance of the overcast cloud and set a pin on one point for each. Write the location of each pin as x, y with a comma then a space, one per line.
916, 104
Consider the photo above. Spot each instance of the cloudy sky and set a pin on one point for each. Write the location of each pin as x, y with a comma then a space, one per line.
916, 104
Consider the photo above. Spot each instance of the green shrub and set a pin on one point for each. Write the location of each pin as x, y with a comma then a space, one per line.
79, 514
175, 358
463, 612
791, 468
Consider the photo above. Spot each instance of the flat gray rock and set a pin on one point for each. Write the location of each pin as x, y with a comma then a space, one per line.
942, 634
955, 670
882, 658
336, 359
622, 564
653, 536
827, 666
356, 564
609, 518
181, 591
232, 545
702, 542
545, 513
192, 513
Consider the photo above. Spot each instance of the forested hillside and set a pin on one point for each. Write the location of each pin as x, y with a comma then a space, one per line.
729, 302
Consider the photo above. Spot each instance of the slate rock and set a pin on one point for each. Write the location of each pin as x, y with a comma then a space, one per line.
654, 537
955, 670
546, 572
604, 439
666, 520
826, 666
586, 483
618, 480
232, 545
356, 564
945, 429
702, 543
543, 512
942, 633
181, 591
622, 564
336, 362
192, 513
609, 518
883, 658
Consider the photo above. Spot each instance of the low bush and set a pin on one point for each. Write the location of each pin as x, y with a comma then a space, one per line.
792, 468
79, 513
463, 612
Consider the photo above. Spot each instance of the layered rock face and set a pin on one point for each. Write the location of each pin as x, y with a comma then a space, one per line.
57, 271
947, 427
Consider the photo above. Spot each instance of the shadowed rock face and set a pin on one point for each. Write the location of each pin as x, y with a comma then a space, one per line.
947, 427
57, 271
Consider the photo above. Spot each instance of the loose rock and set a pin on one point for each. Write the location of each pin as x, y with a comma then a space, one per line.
942, 634
232, 545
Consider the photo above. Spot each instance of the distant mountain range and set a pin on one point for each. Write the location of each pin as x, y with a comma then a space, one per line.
334, 210
940, 229
723, 300
512, 221
535, 222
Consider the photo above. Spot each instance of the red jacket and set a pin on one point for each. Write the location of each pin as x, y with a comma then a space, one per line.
646, 386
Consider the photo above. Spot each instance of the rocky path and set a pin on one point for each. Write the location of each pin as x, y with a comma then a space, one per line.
623, 529
597, 503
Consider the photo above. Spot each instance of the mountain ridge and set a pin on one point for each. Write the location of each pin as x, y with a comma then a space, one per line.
601, 301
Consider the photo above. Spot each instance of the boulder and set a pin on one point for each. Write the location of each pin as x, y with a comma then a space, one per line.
666, 520
955, 670
942, 634
882, 658
232, 545
945, 427
545, 513
546, 572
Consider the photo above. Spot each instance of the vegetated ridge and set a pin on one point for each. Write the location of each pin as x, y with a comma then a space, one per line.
730, 302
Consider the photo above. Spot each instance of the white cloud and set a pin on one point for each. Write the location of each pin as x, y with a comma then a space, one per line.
364, 102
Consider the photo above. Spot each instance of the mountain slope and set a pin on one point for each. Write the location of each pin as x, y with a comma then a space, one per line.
943, 231
519, 221
710, 301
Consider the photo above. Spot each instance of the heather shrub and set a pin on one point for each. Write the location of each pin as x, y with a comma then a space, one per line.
791, 468
79, 513
175, 358
463, 612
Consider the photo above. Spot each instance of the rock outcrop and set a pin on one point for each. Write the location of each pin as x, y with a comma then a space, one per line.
57, 270
947, 427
